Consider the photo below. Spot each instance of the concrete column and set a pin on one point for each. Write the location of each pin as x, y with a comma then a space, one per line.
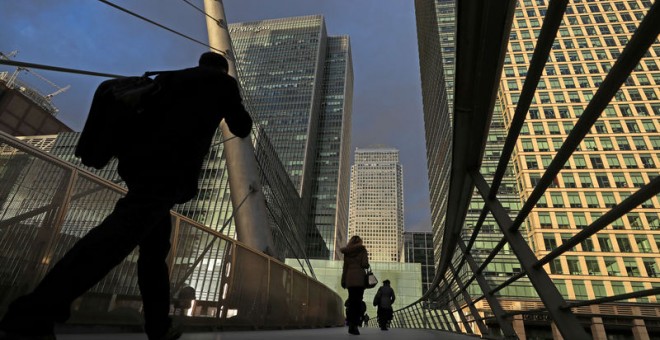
556, 335
519, 327
598, 329
639, 330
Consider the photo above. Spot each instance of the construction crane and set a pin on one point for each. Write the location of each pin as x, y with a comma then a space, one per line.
14, 75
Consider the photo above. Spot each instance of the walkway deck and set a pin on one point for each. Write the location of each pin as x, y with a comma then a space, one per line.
316, 334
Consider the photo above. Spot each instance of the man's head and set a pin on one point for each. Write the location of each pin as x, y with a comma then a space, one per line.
386, 282
215, 60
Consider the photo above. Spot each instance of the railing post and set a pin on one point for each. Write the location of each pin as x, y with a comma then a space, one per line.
459, 310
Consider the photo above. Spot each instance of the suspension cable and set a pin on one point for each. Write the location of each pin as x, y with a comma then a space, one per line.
160, 25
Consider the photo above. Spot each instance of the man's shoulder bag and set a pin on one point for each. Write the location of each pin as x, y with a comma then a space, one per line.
115, 105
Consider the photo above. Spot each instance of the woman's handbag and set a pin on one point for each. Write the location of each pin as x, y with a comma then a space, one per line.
370, 280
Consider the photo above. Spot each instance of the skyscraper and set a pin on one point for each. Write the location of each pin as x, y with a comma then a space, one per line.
376, 203
418, 248
616, 158
298, 84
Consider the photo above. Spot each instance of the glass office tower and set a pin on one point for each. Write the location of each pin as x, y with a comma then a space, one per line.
298, 83
418, 248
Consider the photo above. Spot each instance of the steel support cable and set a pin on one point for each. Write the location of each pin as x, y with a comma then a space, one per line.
640, 196
646, 33
159, 25
57, 69
544, 43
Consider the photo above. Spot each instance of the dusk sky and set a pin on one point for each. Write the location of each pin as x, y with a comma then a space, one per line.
91, 35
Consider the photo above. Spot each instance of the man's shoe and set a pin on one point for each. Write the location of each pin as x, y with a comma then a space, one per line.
173, 333
353, 330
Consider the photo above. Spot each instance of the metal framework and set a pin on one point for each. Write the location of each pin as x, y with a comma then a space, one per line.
482, 36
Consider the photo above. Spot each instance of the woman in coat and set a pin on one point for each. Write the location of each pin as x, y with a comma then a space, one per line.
356, 260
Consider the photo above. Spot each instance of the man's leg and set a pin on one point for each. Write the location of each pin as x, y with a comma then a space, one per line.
88, 261
153, 278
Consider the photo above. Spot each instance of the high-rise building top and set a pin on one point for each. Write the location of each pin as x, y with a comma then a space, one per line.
376, 202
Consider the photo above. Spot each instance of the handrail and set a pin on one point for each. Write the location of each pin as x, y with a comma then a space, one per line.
227, 291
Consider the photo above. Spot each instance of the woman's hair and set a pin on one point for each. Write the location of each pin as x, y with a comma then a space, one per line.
355, 240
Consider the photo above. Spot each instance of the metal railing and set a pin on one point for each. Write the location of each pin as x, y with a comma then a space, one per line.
482, 36
47, 204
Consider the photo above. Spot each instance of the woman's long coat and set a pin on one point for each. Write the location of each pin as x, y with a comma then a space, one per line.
356, 260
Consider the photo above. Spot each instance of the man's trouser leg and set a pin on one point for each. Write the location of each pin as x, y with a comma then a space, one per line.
88, 261
153, 278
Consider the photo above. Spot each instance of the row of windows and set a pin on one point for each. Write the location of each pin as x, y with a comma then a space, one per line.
622, 243
611, 126
579, 220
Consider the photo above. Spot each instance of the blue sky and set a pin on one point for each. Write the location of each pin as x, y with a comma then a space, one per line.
90, 35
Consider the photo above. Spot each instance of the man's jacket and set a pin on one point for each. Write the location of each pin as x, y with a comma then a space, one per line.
168, 145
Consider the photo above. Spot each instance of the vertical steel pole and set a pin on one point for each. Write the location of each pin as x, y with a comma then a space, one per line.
252, 225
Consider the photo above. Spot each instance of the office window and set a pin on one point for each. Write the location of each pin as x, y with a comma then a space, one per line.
619, 180
562, 220
587, 245
580, 290
593, 268
574, 200
580, 220
651, 267
569, 180
612, 266
549, 241
605, 243
631, 266
624, 243
573, 265
613, 162
585, 180
643, 243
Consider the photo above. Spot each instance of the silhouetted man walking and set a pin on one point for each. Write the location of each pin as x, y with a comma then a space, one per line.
384, 299
160, 165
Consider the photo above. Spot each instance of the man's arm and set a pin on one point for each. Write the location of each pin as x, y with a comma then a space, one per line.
237, 118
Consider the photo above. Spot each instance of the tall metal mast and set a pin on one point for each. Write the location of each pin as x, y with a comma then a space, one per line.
252, 226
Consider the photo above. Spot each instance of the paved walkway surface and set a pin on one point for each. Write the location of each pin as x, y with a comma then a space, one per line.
315, 334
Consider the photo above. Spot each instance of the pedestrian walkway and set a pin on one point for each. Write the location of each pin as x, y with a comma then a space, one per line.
316, 334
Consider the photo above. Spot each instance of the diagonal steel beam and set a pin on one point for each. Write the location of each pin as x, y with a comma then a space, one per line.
498, 311
468, 300
566, 322
459, 310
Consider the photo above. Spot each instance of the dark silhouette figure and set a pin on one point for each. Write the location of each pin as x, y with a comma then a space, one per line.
184, 298
160, 165
356, 260
384, 299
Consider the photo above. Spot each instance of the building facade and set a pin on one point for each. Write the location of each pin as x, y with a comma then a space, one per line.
617, 157
24, 111
376, 203
418, 248
298, 84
